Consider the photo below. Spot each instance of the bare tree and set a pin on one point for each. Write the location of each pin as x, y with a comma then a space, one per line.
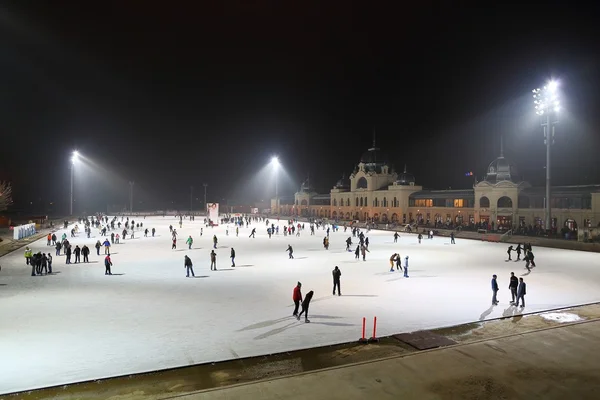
5, 195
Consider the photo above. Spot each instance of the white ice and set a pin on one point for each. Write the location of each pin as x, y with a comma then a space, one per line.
80, 324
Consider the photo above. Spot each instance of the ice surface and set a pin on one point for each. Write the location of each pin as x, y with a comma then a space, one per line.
80, 324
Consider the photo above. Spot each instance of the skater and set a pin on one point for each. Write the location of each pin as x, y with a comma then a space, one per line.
518, 250
53, 239
49, 263
107, 247
530, 258
189, 242
494, 290
512, 286
153, 231
521, 292
297, 298
77, 252
348, 243
326, 243
336, 280
232, 256
290, 251
68, 254
305, 305
213, 260
420, 237
29, 255
44, 266
187, 263
392, 259
398, 263
363, 251
510, 249
146, 232
357, 252
215, 241
367, 243
406, 267
49, 240
174, 245
396, 236
452, 238
86, 252
107, 264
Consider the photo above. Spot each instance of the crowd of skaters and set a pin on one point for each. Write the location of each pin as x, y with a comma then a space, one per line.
42, 263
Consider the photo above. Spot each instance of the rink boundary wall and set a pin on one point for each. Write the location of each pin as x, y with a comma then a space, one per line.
134, 375
359, 363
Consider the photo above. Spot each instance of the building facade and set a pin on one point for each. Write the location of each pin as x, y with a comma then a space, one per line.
502, 201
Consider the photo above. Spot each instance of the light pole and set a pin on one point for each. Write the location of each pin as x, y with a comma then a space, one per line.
275, 163
74, 159
191, 201
547, 107
131, 183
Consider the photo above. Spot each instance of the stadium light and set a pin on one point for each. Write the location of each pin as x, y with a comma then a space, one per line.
275, 164
74, 159
547, 106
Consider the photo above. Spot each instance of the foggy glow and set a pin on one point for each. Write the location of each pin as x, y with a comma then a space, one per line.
275, 161
546, 99
75, 157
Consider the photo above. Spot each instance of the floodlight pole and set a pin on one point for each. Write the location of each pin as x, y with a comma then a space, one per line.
191, 201
205, 186
548, 138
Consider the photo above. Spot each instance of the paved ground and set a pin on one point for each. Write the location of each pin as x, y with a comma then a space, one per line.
556, 363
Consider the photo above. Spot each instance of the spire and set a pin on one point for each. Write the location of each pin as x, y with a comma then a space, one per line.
374, 145
404, 168
501, 147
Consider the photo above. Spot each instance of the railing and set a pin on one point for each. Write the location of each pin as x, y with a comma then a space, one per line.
507, 235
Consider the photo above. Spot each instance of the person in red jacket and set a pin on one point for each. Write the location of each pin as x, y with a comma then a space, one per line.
297, 297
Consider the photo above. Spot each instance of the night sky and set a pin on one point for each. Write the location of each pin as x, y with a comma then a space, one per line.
171, 95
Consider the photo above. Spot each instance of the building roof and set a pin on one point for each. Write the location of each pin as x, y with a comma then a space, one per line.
444, 194
321, 196
576, 190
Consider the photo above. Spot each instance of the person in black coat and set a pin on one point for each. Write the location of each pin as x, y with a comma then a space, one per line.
77, 253
187, 263
305, 304
336, 280
86, 252
514, 283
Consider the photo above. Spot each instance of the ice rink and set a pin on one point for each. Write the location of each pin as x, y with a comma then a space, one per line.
79, 324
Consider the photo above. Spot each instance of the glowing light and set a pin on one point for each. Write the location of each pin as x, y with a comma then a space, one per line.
275, 162
552, 86
546, 98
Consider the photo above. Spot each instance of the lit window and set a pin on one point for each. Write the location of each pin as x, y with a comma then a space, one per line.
459, 203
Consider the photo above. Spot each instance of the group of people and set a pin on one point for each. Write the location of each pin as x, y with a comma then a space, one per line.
517, 287
529, 257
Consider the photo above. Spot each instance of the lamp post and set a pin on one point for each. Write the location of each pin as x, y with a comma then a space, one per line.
205, 186
74, 159
191, 199
547, 107
275, 163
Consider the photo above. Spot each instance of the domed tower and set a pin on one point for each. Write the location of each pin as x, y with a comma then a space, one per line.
502, 170
343, 184
373, 171
405, 178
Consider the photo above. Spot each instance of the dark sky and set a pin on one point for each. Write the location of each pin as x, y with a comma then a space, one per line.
173, 94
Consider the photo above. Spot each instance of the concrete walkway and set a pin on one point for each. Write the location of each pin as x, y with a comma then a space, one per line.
556, 363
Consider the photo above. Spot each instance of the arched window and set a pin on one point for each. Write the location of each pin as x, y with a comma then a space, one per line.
357, 202
484, 202
335, 202
504, 202
376, 202
348, 203
361, 201
366, 203
304, 202
362, 183
385, 201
